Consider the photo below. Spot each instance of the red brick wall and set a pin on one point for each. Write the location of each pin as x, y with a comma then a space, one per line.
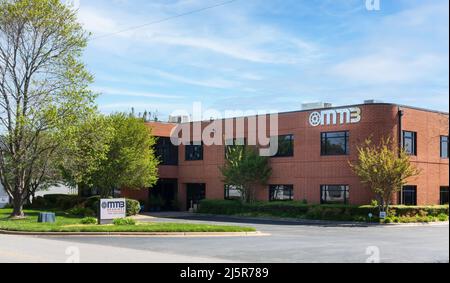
434, 170
307, 170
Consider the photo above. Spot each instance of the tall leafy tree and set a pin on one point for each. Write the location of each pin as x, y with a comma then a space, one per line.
85, 151
384, 169
43, 88
130, 160
245, 169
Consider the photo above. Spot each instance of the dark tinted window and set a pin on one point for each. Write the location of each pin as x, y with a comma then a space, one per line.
444, 196
444, 147
166, 152
232, 193
194, 152
408, 196
285, 146
281, 193
334, 194
335, 143
410, 142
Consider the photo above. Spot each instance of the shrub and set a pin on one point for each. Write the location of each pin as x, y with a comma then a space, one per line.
89, 221
442, 217
92, 203
296, 209
133, 207
81, 211
62, 202
124, 222
39, 203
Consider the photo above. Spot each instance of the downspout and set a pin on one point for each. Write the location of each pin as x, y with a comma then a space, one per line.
400, 130
400, 140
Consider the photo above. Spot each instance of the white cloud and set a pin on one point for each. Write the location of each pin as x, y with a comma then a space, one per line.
125, 92
387, 68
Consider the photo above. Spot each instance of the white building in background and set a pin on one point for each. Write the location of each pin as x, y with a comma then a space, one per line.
57, 190
4, 198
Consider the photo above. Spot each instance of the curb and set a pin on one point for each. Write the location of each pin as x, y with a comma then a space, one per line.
327, 222
136, 234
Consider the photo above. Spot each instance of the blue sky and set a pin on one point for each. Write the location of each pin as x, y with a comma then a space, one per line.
267, 54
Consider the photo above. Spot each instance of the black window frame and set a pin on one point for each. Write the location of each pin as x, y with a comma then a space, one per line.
166, 152
444, 155
413, 139
444, 195
227, 189
324, 137
344, 188
290, 139
272, 189
410, 189
190, 151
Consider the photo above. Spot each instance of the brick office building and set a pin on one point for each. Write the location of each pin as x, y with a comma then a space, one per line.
312, 162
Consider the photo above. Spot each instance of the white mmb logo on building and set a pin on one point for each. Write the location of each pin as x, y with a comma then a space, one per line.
335, 116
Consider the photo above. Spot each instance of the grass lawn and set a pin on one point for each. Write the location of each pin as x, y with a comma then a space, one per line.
67, 223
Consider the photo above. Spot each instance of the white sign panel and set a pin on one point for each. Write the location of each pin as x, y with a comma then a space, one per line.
112, 209
335, 116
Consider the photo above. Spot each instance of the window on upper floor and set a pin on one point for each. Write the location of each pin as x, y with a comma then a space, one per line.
166, 151
285, 146
335, 143
444, 147
231, 143
194, 152
410, 142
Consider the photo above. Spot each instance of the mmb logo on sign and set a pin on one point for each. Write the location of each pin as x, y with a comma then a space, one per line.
111, 209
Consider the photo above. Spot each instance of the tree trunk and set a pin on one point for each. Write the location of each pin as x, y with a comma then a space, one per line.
17, 207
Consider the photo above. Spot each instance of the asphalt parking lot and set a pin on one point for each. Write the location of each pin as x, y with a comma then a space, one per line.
288, 242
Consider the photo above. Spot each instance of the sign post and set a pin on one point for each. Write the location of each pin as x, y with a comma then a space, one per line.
110, 209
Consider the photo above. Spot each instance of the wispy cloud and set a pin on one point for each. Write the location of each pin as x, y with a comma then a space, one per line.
263, 53
124, 92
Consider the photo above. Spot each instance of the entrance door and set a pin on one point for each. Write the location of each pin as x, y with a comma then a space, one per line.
195, 193
163, 196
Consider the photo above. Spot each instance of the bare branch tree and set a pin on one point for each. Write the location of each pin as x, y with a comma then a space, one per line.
43, 90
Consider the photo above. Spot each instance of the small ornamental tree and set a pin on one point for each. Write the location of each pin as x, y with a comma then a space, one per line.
246, 170
384, 169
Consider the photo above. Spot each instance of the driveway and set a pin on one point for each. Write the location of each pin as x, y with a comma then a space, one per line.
289, 242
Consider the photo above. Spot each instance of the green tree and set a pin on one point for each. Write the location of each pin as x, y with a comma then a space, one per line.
130, 161
384, 168
43, 88
85, 151
245, 169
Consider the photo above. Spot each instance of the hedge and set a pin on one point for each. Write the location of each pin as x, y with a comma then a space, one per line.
319, 212
79, 206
